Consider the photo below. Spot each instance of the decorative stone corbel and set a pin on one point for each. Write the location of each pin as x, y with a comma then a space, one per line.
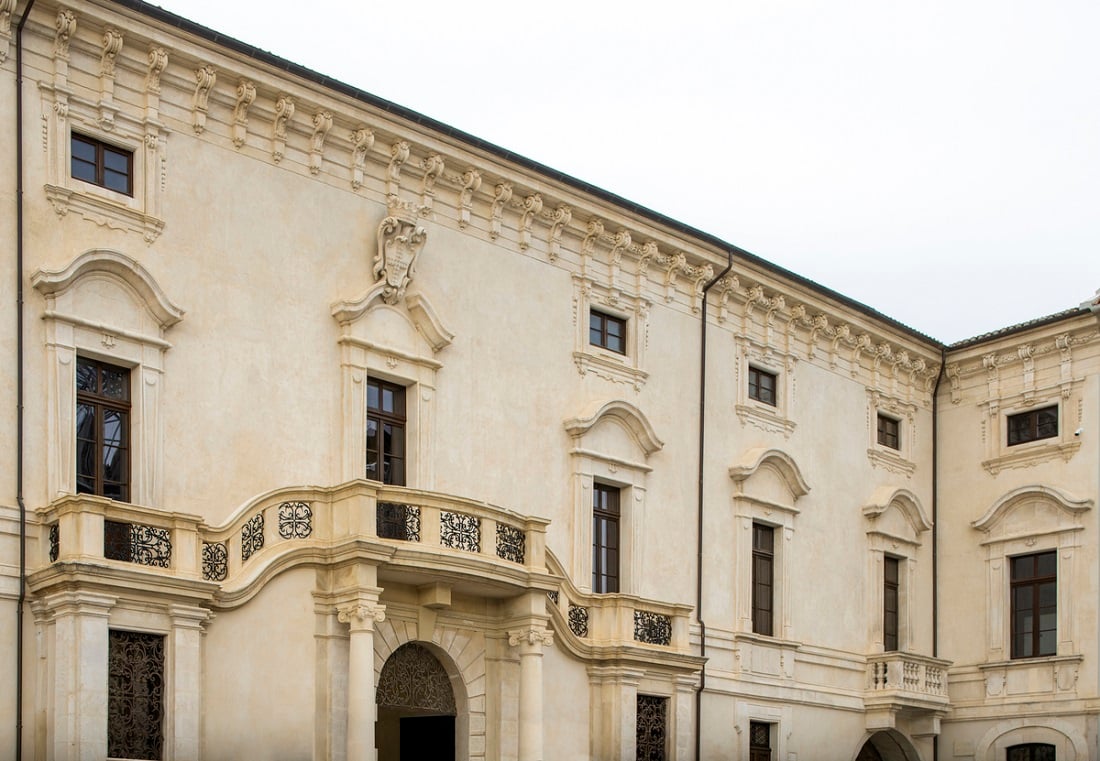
563, 215
284, 111
246, 94
158, 61
501, 196
7, 9
727, 287
1064, 345
362, 140
471, 183
863, 344
433, 166
66, 28
322, 123
673, 263
619, 243
112, 45
820, 325
843, 332
532, 207
399, 154
593, 231
205, 77
400, 241
701, 276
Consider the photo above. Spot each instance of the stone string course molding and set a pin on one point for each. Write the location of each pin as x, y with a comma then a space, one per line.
348, 143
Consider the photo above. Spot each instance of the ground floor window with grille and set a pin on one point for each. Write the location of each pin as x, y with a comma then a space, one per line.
135, 695
1031, 752
652, 728
760, 741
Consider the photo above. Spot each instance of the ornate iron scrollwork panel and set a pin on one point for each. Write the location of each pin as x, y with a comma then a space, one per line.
460, 532
252, 536
511, 543
295, 520
215, 561
652, 628
652, 728
413, 678
137, 543
55, 542
135, 695
578, 620
553, 596
401, 522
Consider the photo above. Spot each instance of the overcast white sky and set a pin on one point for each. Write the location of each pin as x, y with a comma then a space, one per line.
938, 161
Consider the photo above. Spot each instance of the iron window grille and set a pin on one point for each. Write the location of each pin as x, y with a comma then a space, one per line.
386, 423
1034, 605
1033, 425
652, 728
605, 539
1030, 752
102, 429
607, 331
891, 571
763, 581
135, 695
888, 429
762, 385
760, 741
102, 164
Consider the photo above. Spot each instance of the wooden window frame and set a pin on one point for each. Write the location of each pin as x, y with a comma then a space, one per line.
599, 333
889, 432
99, 163
101, 403
394, 465
1024, 427
606, 512
759, 389
891, 603
1032, 646
760, 751
763, 589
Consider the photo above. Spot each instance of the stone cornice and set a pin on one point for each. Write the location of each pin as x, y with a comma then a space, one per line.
243, 105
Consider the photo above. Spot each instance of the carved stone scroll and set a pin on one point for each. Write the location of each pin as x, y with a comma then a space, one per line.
400, 241
620, 243
532, 207
322, 123
471, 183
284, 111
158, 61
362, 140
562, 217
7, 9
433, 167
205, 77
399, 154
501, 196
66, 28
246, 94
112, 45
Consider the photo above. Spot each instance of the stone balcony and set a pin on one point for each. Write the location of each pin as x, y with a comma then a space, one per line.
905, 684
413, 536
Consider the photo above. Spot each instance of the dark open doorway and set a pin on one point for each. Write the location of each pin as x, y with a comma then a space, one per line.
416, 707
424, 737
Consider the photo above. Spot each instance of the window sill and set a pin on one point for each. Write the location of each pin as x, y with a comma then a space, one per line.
1026, 678
1028, 455
610, 366
765, 417
106, 208
891, 460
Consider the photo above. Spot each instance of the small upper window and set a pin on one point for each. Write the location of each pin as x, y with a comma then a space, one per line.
762, 385
888, 432
607, 331
1033, 425
101, 164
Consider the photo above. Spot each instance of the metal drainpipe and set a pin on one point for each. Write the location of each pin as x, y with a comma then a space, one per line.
936, 524
699, 526
19, 381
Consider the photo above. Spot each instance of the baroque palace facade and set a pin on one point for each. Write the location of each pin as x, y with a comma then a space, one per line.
331, 432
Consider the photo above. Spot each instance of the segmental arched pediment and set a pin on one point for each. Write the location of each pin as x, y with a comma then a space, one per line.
624, 415
95, 283
1032, 509
418, 313
897, 513
770, 474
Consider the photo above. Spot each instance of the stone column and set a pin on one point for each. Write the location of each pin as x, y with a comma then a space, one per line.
530, 642
361, 617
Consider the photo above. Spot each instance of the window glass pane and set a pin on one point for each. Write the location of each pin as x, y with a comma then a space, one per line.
114, 433
116, 161
117, 182
83, 150
387, 400
1048, 564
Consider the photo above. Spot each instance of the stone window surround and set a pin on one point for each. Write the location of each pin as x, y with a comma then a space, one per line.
898, 460
774, 418
627, 367
96, 337
999, 455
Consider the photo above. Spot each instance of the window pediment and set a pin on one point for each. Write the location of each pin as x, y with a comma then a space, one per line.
627, 417
897, 514
770, 476
1032, 510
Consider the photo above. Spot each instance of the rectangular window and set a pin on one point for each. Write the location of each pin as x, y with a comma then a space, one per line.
888, 432
607, 331
135, 695
1034, 605
102, 429
101, 164
1033, 425
651, 728
763, 582
385, 432
605, 539
1031, 752
891, 572
762, 385
760, 741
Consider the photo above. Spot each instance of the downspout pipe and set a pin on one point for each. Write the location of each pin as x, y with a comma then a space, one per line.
936, 523
699, 513
19, 645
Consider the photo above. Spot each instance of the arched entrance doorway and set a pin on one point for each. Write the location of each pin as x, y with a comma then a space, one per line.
416, 707
887, 746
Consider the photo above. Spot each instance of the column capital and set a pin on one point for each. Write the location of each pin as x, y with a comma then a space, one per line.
361, 615
530, 640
